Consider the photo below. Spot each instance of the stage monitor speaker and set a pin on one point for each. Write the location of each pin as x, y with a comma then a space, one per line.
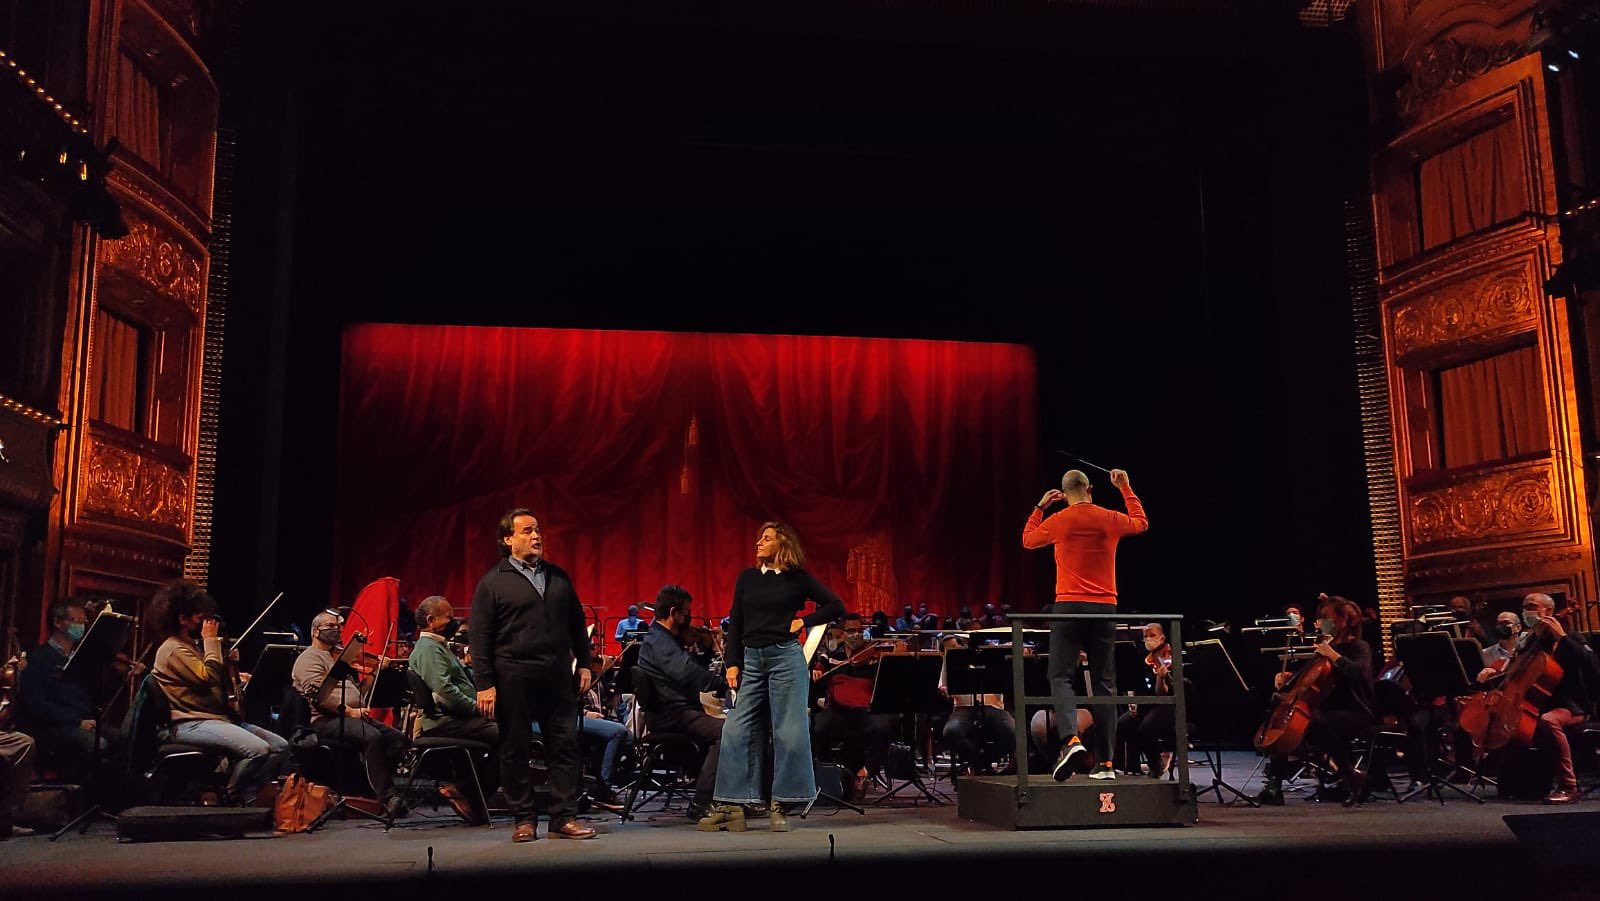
171, 824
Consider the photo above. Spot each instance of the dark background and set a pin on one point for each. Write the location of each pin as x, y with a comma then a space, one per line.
1151, 199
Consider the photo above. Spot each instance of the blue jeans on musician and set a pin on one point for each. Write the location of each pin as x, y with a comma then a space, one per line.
258, 755
773, 688
609, 733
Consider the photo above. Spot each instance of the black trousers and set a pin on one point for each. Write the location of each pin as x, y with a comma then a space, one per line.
707, 732
865, 736
381, 747
1146, 734
998, 738
472, 728
16, 771
1098, 639
549, 695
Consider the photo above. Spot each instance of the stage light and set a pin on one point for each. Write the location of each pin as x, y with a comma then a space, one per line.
1554, 67
1573, 54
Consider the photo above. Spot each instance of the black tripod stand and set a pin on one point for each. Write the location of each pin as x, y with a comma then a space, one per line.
107, 636
1218, 686
1436, 664
341, 671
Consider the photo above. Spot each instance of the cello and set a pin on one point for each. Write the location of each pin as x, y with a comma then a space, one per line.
1285, 727
1508, 714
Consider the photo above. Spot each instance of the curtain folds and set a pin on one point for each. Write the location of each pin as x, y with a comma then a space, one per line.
1493, 409
652, 458
1472, 186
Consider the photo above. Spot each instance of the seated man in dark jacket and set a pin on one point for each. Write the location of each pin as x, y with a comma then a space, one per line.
678, 681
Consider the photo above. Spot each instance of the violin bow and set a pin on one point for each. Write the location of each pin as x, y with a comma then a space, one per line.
259, 617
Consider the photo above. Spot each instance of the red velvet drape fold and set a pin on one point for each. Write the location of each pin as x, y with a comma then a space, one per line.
906, 466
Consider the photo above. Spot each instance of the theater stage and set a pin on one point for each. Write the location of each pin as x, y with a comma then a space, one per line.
1301, 850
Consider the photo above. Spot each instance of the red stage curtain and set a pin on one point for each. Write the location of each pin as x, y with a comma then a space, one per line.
906, 466
1493, 409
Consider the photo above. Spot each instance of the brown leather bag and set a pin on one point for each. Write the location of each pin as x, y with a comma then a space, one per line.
300, 802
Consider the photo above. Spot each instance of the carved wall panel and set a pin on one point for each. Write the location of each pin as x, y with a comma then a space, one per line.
126, 484
1484, 508
1408, 30
157, 259
1469, 309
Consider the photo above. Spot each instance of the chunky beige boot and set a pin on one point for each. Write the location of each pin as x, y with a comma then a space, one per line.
722, 818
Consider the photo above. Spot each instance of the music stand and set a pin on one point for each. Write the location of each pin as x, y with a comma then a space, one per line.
104, 640
273, 672
1437, 667
909, 683
339, 674
1207, 663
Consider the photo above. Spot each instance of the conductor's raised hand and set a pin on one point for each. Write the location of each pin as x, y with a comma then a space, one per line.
1119, 478
1053, 496
486, 702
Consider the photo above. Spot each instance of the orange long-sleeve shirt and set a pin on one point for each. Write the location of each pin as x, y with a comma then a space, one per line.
1085, 538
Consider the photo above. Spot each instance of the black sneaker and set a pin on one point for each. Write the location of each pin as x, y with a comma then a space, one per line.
1070, 755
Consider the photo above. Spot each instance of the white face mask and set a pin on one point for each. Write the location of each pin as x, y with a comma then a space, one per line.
1151, 644
1294, 619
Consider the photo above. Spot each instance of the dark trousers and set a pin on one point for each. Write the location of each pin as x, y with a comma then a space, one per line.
16, 771
707, 733
550, 696
472, 728
865, 736
1422, 738
1098, 639
1146, 734
1330, 731
980, 746
381, 747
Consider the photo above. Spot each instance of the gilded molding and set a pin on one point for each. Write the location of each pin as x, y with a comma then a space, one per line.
1447, 63
127, 485
1493, 505
1453, 312
158, 259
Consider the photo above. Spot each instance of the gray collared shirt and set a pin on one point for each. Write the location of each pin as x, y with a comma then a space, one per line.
534, 573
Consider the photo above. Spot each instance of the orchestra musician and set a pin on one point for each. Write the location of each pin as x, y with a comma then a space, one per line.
1572, 702
455, 701
338, 715
1462, 608
530, 661
846, 715
1147, 731
763, 650
1084, 537
192, 673
629, 623
16, 772
59, 711
1507, 628
1346, 711
678, 680
980, 730
908, 621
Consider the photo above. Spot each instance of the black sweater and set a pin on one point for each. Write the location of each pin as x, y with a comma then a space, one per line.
765, 603
512, 625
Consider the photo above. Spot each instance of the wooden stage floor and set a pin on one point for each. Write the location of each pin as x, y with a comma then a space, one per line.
1304, 849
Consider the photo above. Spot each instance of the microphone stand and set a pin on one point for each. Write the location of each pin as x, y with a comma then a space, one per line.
340, 671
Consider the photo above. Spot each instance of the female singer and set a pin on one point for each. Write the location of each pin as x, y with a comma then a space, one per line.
762, 647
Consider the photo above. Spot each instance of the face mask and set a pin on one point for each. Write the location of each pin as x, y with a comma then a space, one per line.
449, 630
1326, 626
1294, 619
1530, 618
329, 635
833, 644
1506, 630
74, 631
1151, 644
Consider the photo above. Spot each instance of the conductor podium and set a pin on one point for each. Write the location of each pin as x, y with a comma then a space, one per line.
1028, 801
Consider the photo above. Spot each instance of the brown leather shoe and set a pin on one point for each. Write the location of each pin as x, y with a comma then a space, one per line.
571, 829
1562, 796
460, 804
525, 832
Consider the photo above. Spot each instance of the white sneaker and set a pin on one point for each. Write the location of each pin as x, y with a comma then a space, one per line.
1068, 759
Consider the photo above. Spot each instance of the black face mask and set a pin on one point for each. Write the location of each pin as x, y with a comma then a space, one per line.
1505, 630
450, 629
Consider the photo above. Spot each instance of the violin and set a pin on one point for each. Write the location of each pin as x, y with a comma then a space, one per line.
1508, 715
1285, 727
1161, 668
233, 688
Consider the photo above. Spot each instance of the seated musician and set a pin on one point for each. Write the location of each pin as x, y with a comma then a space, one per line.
193, 676
1346, 711
926, 621
1464, 611
455, 700
1507, 629
846, 716
598, 731
1147, 731
16, 772
337, 713
678, 681
58, 710
629, 623
908, 621
1571, 703
980, 730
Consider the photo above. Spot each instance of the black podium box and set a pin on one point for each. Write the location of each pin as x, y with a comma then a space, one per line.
1079, 803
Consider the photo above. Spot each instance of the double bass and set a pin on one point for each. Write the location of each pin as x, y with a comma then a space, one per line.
1285, 727
1508, 714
